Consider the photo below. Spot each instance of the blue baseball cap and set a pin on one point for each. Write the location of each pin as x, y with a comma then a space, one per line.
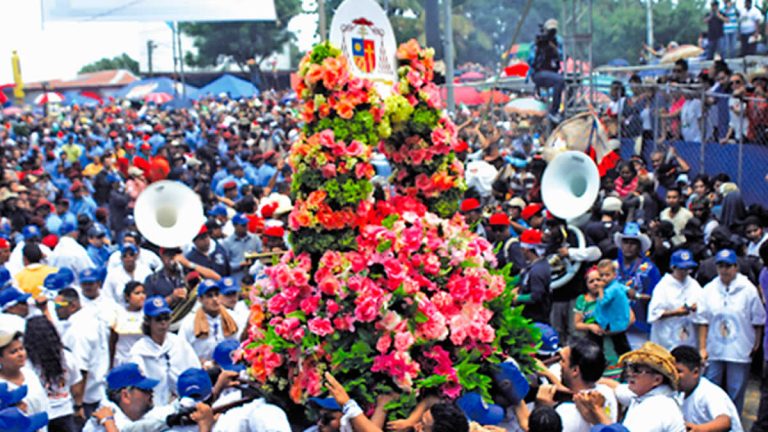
11, 296
550, 340
128, 247
328, 403
66, 228
239, 219
205, 286
194, 383
218, 210
54, 282
66, 275
510, 379
476, 409
682, 259
30, 232
90, 275
113, 178
726, 256
227, 285
156, 305
9, 398
614, 427
96, 231
129, 375
222, 355
13, 420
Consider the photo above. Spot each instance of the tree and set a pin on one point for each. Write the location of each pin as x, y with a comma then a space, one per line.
247, 44
123, 61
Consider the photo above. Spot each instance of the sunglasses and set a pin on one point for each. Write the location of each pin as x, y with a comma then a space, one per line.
161, 318
636, 369
61, 304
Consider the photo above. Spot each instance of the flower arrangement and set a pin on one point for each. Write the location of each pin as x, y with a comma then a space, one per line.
418, 137
413, 309
394, 296
331, 165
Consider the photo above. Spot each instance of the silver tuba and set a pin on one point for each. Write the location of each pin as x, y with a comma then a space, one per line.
169, 214
569, 187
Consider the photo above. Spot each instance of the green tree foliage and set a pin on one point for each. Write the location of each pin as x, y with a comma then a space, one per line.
123, 61
247, 44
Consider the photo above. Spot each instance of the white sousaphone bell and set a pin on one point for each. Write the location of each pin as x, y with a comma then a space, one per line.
169, 214
569, 187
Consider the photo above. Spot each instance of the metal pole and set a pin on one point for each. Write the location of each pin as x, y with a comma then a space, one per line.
322, 20
703, 129
150, 48
740, 169
649, 22
448, 44
181, 63
175, 55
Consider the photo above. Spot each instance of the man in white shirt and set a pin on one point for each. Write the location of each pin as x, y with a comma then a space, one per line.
145, 258
69, 253
86, 337
673, 304
230, 298
705, 405
131, 269
731, 319
750, 20
14, 309
582, 364
90, 288
211, 323
676, 214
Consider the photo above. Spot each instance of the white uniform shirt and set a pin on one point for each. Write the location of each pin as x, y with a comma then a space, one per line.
146, 258
36, 399
669, 294
15, 262
127, 326
655, 411
121, 420
256, 416
70, 254
731, 313
60, 399
749, 20
572, 419
106, 308
708, 401
117, 277
241, 313
164, 363
86, 337
203, 346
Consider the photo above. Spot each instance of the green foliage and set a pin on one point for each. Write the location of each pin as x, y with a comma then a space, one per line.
123, 61
248, 43
317, 242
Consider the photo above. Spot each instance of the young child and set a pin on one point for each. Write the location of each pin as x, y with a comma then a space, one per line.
612, 311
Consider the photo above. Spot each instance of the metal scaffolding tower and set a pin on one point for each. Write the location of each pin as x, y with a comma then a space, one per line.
576, 29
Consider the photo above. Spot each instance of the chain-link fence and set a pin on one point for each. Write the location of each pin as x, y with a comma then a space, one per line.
713, 131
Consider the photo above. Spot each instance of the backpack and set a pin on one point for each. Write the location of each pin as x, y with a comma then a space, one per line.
546, 58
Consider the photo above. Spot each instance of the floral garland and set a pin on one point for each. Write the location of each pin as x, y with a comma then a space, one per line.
331, 160
419, 137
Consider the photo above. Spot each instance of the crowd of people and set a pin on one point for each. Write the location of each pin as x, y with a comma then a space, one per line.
100, 329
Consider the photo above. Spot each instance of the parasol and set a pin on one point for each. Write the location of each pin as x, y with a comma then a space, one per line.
49, 97
681, 52
527, 105
496, 96
158, 98
463, 95
520, 51
471, 76
517, 69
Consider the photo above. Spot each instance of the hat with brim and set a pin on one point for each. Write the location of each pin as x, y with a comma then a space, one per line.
614, 427
682, 259
222, 355
477, 410
655, 357
9, 398
328, 403
632, 232
13, 420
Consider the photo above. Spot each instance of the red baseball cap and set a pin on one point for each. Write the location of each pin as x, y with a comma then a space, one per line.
530, 237
4, 244
274, 231
531, 210
499, 219
469, 204
230, 185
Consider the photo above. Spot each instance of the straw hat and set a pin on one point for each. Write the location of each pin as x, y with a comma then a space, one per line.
655, 357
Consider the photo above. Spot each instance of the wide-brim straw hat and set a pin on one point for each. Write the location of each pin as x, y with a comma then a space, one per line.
655, 357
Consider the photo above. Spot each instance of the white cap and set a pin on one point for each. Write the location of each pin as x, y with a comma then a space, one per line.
611, 205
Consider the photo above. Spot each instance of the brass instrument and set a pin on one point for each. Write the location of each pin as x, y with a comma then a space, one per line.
266, 258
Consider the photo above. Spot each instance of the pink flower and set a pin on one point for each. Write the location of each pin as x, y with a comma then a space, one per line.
344, 323
328, 170
329, 286
277, 304
331, 307
355, 148
390, 322
327, 139
310, 304
384, 342
367, 309
320, 326
404, 341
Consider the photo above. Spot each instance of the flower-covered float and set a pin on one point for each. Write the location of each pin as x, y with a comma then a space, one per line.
390, 296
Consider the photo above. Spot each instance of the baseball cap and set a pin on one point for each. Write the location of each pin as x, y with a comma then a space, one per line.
726, 256
66, 228
129, 375
239, 219
11, 296
469, 204
6, 336
613, 427
682, 259
499, 219
4, 243
9, 398
530, 238
205, 286
54, 282
516, 202
194, 383
477, 410
13, 420
550, 341
611, 205
126, 247
90, 275
222, 355
156, 305
227, 285
511, 380
532, 210
30, 231
218, 210
66, 275
328, 403
96, 231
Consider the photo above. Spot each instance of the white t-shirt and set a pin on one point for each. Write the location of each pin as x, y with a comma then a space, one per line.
670, 294
737, 120
72, 255
707, 402
255, 416
690, 115
86, 337
164, 363
731, 313
117, 277
36, 399
127, 326
655, 411
203, 346
749, 20
60, 400
572, 419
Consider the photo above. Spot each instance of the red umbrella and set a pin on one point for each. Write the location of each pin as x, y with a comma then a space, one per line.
498, 97
158, 98
49, 97
463, 95
92, 95
519, 69
471, 76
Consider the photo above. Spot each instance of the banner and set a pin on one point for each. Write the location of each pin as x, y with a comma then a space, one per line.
159, 10
363, 32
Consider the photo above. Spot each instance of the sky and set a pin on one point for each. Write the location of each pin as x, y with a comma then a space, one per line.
57, 50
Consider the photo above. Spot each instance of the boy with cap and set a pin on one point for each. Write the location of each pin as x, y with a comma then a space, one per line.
674, 304
473, 212
210, 324
97, 248
238, 244
131, 269
230, 299
731, 317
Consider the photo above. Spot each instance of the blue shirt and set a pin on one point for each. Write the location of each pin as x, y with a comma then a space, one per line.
85, 205
612, 311
99, 256
642, 276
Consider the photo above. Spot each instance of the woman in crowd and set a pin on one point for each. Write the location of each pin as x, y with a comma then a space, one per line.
126, 329
626, 182
14, 372
584, 319
58, 372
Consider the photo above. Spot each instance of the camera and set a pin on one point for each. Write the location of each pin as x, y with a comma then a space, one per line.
545, 36
182, 416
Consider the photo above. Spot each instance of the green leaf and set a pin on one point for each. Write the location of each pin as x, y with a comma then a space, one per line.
384, 246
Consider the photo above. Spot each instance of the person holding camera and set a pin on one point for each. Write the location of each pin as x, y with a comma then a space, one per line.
545, 65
